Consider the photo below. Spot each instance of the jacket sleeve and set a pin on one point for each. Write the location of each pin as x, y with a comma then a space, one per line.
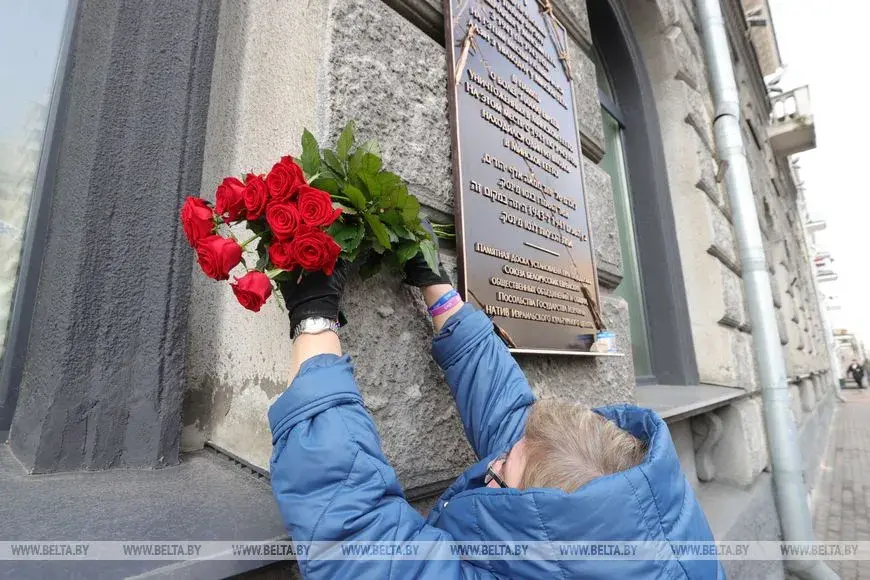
332, 482
491, 391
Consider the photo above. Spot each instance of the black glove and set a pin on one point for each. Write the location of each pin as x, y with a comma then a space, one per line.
316, 295
417, 271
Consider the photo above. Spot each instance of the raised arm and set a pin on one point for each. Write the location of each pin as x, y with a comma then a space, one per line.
491, 391
329, 476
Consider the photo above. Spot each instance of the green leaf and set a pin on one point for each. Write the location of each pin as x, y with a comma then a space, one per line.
345, 141
356, 197
362, 250
430, 254
411, 209
344, 209
372, 186
396, 222
406, 251
377, 247
333, 162
389, 180
393, 189
347, 235
310, 154
370, 146
286, 276
353, 164
382, 235
371, 163
327, 184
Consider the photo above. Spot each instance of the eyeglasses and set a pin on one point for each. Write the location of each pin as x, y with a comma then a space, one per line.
491, 474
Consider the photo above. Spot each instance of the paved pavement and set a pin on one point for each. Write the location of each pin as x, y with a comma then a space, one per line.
842, 498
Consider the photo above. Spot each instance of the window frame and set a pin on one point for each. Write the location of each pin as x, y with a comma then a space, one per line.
12, 360
664, 296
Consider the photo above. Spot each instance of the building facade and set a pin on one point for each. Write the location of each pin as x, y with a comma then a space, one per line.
121, 359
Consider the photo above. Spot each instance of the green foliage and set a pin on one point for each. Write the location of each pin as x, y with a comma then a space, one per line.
378, 229
348, 235
380, 222
430, 253
310, 154
332, 161
327, 184
356, 197
407, 250
345, 141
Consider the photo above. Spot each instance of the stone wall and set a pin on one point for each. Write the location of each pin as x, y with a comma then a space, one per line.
674, 60
729, 444
670, 40
383, 64
368, 61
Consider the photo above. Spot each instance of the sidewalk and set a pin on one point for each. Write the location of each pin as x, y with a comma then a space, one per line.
842, 498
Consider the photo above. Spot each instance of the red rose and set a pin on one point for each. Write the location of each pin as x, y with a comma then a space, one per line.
217, 256
197, 219
315, 250
294, 169
289, 162
256, 196
315, 207
281, 255
283, 180
230, 199
283, 219
252, 290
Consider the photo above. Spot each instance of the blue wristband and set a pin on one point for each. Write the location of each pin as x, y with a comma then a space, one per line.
443, 300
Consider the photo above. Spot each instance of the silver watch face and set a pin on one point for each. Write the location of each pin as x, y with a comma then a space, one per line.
314, 326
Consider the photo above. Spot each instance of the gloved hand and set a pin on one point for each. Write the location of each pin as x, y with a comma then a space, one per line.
316, 295
417, 271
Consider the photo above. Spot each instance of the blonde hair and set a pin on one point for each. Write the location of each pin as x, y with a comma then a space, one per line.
568, 446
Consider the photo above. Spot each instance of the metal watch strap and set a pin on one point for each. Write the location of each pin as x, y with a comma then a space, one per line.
314, 325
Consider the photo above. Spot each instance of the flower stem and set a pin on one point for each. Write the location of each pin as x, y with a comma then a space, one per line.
249, 240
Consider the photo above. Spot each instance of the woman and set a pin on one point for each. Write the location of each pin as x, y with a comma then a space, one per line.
548, 472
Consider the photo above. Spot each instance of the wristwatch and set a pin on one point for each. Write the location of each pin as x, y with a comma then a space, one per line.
314, 325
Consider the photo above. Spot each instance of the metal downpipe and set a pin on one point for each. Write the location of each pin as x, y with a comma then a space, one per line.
791, 495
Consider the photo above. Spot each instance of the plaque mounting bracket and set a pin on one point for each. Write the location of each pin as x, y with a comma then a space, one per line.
560, 41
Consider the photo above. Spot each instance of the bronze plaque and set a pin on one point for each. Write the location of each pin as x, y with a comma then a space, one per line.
523, 236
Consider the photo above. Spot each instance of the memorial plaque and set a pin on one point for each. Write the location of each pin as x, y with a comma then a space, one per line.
522, 228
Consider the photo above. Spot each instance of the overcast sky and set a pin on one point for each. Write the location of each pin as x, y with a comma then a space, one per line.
826, 45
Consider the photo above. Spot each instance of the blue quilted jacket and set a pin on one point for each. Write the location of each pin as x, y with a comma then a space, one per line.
332, 481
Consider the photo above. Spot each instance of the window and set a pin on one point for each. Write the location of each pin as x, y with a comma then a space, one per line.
652, 283
613, 162
27, 78
30, 52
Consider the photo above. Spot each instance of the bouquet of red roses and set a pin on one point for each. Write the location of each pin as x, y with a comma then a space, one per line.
304, 215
